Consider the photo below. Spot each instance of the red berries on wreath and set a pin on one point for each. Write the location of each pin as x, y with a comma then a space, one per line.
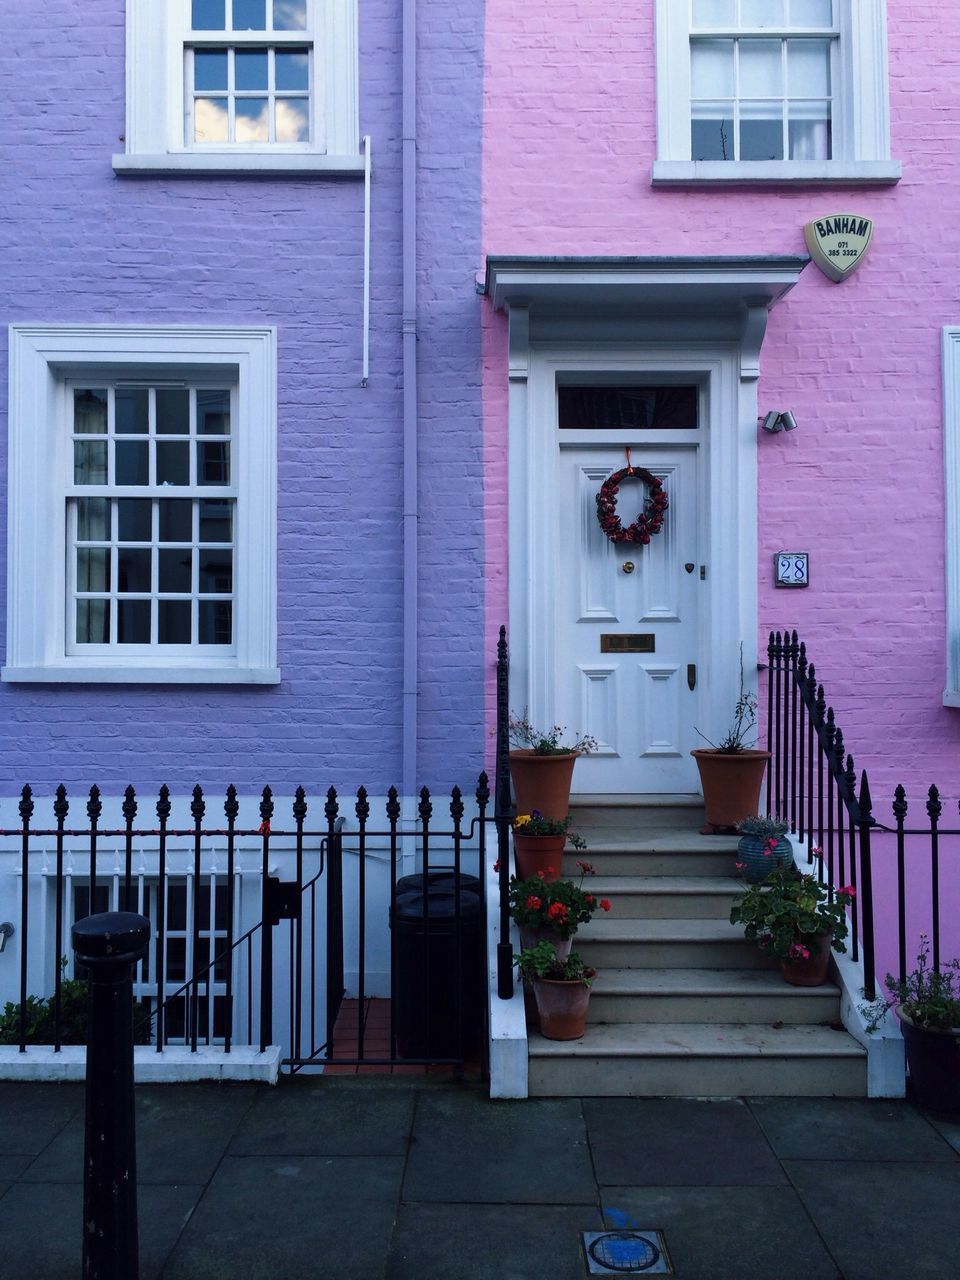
650, 519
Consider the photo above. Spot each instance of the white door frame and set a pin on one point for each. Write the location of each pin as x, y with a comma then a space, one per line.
728, 476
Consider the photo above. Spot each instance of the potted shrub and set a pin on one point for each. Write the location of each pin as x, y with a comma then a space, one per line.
927, 1004
731, 770
538, 844
552, 909
561, 989
541, 766
794, 918
762, 847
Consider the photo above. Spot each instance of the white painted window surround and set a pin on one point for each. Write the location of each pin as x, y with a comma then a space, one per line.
45, 360
158, 34
951, 451
861, 127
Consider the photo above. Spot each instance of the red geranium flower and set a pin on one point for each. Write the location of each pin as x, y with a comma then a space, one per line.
557, 911
533, 902
605, 904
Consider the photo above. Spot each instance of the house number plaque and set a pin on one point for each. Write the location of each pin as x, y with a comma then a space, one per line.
610, 642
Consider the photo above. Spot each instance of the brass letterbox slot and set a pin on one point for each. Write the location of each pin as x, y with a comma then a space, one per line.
612, 643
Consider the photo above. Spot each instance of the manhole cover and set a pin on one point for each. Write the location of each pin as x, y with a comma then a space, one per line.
626, 1253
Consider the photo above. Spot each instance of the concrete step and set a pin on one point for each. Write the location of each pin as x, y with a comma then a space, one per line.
715, 1060
668, 944
709, 996
646, 897
663, 856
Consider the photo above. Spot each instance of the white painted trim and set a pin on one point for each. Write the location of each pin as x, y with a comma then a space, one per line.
509, 1054
950, 346
41, 357
154, 140
83, 673
175, 1065
861, 127
728, 470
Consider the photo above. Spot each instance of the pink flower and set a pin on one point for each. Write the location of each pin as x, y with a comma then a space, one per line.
739, 865
816, 851
849, 889
799, 952
585, 867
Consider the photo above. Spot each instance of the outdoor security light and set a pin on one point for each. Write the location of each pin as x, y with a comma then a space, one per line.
783, 421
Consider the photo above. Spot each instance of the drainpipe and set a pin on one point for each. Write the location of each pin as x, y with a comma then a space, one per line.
411, 514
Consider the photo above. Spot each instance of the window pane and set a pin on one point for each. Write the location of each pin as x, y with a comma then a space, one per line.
216, 571
173, 462
761, 13
133, 520
289, 15
216, 622
133, 568
811, 13
627, 408
292, 69
173, 412
176, 907
210, 69
808, 68
216, 521
252, 120
249, 15
176, 959
209, 15
210, 120
90, 462
132, 462
761, 68
711, 69
90, 412
809, 131
292, 120
714, 13
213, 413
173, 622
93, 569
222, 907
213, 463
93, 520
176, 520
250, 69
176, 570
761, 132
93, 622
131, 405
711, 133
133, 621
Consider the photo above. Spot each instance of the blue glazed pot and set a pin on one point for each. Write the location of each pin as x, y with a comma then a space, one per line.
757, 862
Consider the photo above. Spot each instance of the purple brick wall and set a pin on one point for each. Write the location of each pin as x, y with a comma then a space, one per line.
81, 245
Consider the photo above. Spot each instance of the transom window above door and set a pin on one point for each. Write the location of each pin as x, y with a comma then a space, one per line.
628, 408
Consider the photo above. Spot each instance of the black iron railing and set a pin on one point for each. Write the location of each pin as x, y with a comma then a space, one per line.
813, 783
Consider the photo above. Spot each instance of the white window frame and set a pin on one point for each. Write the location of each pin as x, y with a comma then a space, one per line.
158, 36
44, 359
861, 123
951, 458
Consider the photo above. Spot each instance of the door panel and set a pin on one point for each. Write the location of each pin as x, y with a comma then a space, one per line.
637, 705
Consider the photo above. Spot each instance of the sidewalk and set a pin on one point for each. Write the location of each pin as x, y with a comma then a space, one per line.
421, 1178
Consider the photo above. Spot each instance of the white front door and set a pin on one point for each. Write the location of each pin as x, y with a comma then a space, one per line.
627, 642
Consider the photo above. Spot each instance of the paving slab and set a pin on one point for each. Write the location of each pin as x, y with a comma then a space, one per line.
306, 1118
183, 1132
726, 1233
883, 1221
490, 1242
949, 1130
292, 1217
41, 1228
848, 1129
663, 1142
467, 1148
33, 1114
12, 1167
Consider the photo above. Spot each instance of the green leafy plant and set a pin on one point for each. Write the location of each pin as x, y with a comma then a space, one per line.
787, 911
537, 824
74, 1001
541, 962
559, 905
929, 999
763, 825
744, 721
546, 742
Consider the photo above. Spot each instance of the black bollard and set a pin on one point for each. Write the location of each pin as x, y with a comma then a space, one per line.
108, 946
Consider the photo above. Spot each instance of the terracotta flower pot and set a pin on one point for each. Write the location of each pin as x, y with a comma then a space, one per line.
731, 784
529, 937
758, 861
933, 1058
811, 972
562, 1007
542, 782
538, 856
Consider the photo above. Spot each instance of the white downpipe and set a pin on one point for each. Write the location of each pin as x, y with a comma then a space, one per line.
365, 375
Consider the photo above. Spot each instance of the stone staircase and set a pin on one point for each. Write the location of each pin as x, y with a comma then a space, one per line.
683, 1006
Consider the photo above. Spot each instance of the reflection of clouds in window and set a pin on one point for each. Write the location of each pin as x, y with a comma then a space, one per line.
289, 15
293, 122
210, 123
252, 120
